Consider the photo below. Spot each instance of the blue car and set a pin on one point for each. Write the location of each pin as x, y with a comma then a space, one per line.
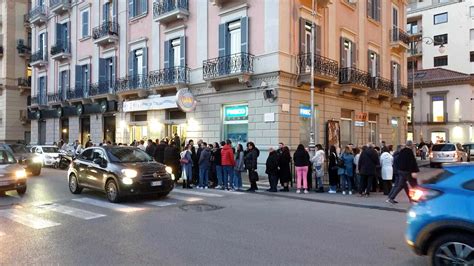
440, 224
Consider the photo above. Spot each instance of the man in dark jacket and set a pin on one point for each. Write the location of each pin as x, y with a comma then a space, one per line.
160, 151
407, 169
150, 148
272, 170
171, 158
368, 162
204, 165
250, 161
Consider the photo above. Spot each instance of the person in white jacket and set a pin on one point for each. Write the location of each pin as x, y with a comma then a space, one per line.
318, 167
386, 160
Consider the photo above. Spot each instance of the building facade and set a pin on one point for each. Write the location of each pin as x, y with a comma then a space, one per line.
112, 69
443, 89
14, 73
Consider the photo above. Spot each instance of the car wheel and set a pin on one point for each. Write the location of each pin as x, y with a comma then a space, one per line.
74, 185
112, 192
452, 249
21, 191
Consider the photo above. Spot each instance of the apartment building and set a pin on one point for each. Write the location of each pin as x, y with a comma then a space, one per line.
441, 63
219, 69
14, 73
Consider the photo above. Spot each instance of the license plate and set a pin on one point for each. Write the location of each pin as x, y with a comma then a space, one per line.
5, 183
156, 183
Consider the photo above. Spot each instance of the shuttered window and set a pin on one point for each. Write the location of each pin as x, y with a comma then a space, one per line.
137, 8
373, 9
228, 39
85, 24
175, 52
348, 55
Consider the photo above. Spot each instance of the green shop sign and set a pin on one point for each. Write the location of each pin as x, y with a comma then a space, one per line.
236, 113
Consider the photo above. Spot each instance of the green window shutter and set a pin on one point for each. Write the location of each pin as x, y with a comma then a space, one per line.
244, 32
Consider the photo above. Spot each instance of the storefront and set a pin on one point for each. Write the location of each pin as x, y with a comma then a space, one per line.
236, 123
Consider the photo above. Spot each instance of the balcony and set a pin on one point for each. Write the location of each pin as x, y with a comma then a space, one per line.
39, 59
61, 51
165, 11
399, 39
134, 85
40, 100
326, 71
176, 77
380, 88
38, 15
106, 33
57, 98
23, 50
102, 90
415, 32
402, 94
431, 119
80, 94
415, 51
24, 84
227, 68
354, 80
59, 6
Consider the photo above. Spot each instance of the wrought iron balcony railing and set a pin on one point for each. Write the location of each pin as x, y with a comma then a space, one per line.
38, 56
351, 75
407, 92
161, 7
169, 76
133, 83
105, 29
57, 97
399, 35
55, 3
24, 82
101, 88
61, 47
380, 84
323, 66
77, 93
39, 99
240, 63
36, 12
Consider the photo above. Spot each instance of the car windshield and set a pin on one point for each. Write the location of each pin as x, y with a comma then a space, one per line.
443, 147
127, 155
50, 149
18, 148
6, 157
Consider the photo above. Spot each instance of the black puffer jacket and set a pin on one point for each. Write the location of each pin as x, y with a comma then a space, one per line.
160, 152
250, 159
272, 164
171, 158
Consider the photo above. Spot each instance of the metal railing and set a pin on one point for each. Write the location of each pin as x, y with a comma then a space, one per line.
54, 3
38, 56
161, 7
24, 82
406, 91
60, 47
77, 93
23, 49
430, 118
397, 34
39, 99
169, 76
36, 12
105, 29
322, 65
101, 88
57, 97
380, 84
352, 75
239, 63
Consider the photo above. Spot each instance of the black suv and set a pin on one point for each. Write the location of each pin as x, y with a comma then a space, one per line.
119, 171
31, 161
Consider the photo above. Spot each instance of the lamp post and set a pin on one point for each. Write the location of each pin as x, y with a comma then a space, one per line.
312, 144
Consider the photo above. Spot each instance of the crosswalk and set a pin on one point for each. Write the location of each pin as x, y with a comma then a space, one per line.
88, 208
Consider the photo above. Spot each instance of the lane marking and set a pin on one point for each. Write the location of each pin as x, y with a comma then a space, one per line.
187, 199
161, 203
196, 193
108, 205
27, 219
75, 212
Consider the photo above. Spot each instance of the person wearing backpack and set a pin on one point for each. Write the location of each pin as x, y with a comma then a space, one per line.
345, 171
333, 169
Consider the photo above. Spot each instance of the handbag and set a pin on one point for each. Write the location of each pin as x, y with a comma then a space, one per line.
253, 176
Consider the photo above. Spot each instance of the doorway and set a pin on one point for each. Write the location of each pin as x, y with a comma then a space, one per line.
138, 133
42, 132
85, 129
65, 130
109, 128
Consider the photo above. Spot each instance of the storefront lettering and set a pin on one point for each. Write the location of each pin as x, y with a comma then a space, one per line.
150, 104
185, 100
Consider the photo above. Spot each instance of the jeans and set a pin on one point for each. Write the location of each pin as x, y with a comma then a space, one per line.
423, 155
301, 176
366, 184
357, 182
346, 182
228, 173
273, 179
237, 182
188, 169
203, 176
219, 175
399, 185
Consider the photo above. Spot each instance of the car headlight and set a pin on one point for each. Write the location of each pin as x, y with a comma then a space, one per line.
169, 170
127, 180
130, 173
20, 174
37, 159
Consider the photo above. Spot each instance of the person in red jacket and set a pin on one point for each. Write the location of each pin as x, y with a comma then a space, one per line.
228, 163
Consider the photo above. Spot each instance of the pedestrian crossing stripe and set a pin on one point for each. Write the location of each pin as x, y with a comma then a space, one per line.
75, 212
108, 205
187, 199
27, 219
161, 203
196, 193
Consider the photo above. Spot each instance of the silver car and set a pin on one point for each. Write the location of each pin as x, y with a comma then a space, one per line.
447, 153
12, 174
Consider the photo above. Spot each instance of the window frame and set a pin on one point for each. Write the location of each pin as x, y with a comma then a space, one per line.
374, 10
440, 58
87, 10
440, 14
432, 96
471, 56
443, 40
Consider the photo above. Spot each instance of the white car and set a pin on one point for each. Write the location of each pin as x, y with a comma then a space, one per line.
447, 153
50, 154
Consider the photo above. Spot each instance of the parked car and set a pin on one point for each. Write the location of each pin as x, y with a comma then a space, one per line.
12, 174
25, 157
469, 148
119, 172
447, 153
49, 154
440, 223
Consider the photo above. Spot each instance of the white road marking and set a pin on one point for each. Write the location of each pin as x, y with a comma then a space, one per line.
187, 199
27, 219
75, 212
108, 205
196, 193
161, 203
233, 192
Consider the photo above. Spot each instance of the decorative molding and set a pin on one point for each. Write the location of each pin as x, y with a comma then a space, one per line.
143, 39
234, 9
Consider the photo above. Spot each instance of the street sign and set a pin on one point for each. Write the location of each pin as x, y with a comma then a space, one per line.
361, 116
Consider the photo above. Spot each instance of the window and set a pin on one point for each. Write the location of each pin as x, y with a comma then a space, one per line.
106, 12
85, 24
373, 64
176, 51
471, 56
440, 39
412, 28
348, 55
373, 9
86, 155
441, 61
137, 7
440, 18
437, 105
346, 127
234, 37
110, 70
63, 82
413, 64
85, 75
396, 76
471, 34
471, 11
138, 62
373, 128
469, 185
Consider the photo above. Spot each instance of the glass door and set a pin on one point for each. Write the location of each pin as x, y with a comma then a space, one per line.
138, 133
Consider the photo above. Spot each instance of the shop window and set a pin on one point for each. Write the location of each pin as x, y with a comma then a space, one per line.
373, 128
236, 123
471, 56
437, 105
140, 117
175, 115
346, 127
438, 136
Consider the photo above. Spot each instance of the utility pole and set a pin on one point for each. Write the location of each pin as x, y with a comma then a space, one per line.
312, 144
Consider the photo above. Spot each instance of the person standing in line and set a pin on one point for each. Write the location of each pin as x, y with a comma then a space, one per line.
318, 165
204, 165
238, 168
187, 165
218, 164
356, 168
250, 161
284, 172
150, 148
309, 175
407, 171
346, 171
301, 160
171, 158
141, 146
272, 169
177, 141
395, 171
195, 157
333, 169
160, 151
386, 161
368, 162
228, 164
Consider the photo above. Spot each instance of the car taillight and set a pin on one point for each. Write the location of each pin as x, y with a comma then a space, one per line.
423, 194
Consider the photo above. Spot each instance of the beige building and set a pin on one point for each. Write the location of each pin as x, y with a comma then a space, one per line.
14, 81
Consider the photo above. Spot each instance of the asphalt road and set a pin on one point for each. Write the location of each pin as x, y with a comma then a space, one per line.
207, 227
